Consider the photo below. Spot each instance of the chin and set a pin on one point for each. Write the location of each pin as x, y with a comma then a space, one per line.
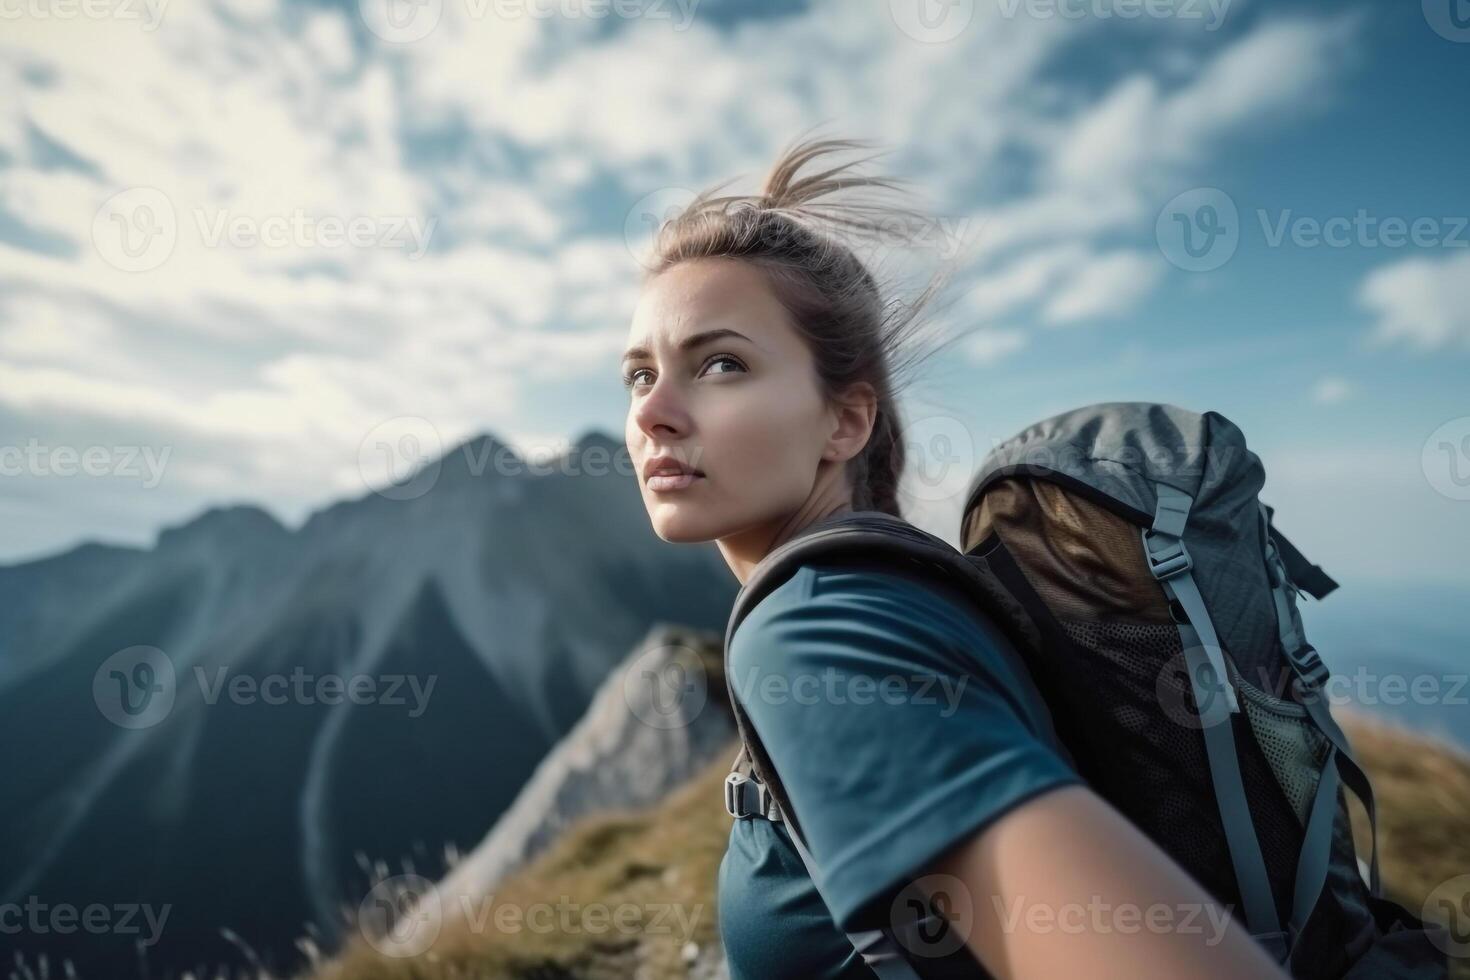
678, 523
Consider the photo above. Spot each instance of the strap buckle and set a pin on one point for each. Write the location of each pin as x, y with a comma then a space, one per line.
746, 796
1173, 559
1309, 666
1276, 568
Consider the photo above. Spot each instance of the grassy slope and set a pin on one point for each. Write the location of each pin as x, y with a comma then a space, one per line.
671, 853
1423, 792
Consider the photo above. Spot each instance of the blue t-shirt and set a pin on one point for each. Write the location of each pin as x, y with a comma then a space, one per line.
900, 723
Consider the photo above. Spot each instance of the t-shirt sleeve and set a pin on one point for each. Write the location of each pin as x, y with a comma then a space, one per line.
895, 723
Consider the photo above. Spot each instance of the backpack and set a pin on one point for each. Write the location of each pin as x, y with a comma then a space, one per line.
1122, 549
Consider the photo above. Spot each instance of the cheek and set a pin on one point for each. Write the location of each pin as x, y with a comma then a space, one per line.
632, 437
773, 426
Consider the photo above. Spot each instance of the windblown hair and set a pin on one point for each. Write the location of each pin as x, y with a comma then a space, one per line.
854, 331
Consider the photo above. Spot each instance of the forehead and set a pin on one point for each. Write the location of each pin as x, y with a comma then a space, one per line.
705, 294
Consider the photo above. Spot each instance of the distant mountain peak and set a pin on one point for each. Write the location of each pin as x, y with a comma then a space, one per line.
228, 523
598, 439
601, 452
486, 456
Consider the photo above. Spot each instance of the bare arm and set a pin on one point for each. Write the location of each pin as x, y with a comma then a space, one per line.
1064, 885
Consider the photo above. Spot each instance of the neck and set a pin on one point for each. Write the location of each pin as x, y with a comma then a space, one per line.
744, 549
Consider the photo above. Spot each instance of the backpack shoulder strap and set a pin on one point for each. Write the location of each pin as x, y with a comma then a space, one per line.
865, 536
1214, 694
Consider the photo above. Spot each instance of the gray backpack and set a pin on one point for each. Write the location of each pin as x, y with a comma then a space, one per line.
1123, 551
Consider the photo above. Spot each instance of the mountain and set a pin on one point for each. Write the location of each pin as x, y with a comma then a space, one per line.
658, 720
622, 817
231, 729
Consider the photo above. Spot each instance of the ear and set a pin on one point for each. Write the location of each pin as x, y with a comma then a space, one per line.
853, 416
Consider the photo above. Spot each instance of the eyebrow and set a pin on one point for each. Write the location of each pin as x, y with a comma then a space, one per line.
690, 342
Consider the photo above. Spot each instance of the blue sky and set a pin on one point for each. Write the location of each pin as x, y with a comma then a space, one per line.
501, 165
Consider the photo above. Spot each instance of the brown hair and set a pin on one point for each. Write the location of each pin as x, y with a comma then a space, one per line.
855, 333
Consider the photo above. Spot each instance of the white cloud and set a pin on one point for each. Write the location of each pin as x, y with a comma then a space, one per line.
1110, 284
1331, 390
993, 344
284, 355
1023, 280
1423, 302
329, 41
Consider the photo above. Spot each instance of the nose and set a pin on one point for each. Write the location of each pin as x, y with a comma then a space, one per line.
660, 413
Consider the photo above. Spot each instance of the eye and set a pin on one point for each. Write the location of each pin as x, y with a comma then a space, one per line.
725, 358
631, 377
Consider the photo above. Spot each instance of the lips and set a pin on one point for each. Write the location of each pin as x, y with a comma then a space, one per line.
668, 473
673, 481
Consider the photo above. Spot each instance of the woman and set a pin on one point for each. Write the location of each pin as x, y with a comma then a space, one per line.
761, 370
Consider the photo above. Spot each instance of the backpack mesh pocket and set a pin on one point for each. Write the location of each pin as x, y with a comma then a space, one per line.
1292, 745
1154, 768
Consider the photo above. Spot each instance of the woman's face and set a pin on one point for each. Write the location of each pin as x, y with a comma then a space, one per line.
720, 381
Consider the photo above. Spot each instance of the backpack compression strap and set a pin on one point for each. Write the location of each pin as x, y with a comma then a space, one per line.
1340, 767
1215, 699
